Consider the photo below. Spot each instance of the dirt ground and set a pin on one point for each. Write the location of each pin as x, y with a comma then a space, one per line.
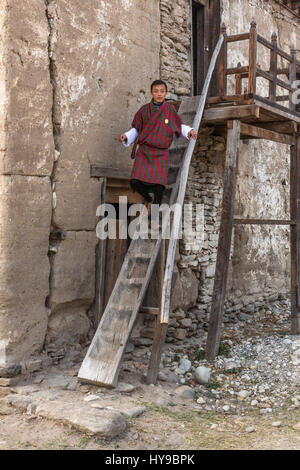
169, 422
172, 427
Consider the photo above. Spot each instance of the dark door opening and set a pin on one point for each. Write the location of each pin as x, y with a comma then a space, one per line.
206, 19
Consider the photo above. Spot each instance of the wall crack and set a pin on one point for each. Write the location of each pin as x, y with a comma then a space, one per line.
51, 14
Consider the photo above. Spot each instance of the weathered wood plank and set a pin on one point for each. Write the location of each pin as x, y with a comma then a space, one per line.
276, 110
100, 172
166, 290
225, 235
237, 37
260, 133
284, 127
103, 359
263, 222
236, 97
214, 115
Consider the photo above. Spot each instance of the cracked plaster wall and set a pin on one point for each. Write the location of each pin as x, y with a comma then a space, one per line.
70, 82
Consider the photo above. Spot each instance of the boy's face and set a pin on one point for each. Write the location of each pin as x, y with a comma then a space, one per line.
159, 93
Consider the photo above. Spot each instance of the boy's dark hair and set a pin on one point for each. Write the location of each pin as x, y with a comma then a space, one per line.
159, 82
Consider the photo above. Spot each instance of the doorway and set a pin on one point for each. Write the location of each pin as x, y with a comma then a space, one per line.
206, 22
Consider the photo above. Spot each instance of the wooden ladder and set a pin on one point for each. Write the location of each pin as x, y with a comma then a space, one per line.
103, 359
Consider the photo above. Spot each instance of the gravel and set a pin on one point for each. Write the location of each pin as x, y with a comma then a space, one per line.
260, 370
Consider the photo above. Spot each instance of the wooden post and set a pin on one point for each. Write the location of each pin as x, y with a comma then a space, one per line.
273, 69
293, 75
238, 82
160, 328
223, 64
252, 58
225, 235
295, 236
100, 266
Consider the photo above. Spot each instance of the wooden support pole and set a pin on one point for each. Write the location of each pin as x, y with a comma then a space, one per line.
273, 68
223, 64
238, 82
295, 237
293, 76
252, 58
160, 328
225, 235
100, 267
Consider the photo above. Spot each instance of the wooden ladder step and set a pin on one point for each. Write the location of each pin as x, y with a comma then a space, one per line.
134, 281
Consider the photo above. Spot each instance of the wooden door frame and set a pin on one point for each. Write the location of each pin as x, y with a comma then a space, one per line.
206, 25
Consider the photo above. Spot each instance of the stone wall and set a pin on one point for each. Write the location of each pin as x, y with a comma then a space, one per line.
175, 49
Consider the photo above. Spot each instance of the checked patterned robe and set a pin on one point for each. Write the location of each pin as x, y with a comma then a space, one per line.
156, 128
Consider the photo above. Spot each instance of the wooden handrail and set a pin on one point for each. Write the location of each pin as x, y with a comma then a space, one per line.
237, 37
166, 289
252, 71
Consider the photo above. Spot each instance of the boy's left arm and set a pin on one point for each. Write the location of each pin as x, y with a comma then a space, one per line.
188, 132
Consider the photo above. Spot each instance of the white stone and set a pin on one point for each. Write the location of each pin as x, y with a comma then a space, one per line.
91, 397
243, 394
202, 375
250, 429
185, 392
201, 401
185, 365
276, 424
134, 412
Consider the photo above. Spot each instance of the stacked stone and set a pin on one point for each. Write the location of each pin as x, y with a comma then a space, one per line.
192, 294
176, 46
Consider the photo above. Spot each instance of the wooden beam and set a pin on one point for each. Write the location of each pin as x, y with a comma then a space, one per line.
225, 235
98, 171
228, 98
263, 222
212, 115
276, 109
283, 127
260, 133
295, 237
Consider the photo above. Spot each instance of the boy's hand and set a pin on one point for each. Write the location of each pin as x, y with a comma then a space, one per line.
192, 134
123, 138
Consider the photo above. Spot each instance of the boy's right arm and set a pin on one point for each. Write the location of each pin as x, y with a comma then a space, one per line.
129, 137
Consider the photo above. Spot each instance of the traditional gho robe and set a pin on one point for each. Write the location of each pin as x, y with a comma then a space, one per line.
154, 129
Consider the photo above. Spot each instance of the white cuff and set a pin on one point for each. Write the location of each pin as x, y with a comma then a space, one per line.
131, 136
185, 130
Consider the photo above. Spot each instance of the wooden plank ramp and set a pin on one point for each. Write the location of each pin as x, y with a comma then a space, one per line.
102, 363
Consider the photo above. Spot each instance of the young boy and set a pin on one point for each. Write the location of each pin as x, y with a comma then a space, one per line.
153, 128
